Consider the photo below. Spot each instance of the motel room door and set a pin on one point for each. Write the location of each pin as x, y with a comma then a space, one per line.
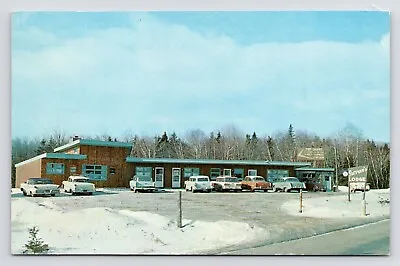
176, 177
159, 177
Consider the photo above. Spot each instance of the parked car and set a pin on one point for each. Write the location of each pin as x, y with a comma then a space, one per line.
78, 185
37, 186
142, 183
288, 184
256, 183
226, 183
198, 183
359, 187
314, 185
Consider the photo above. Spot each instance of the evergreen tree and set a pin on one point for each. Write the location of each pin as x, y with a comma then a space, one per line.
35, 244
42, 147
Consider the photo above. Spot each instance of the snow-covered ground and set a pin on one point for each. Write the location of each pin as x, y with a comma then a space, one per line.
339, 206
117, 221
107, 231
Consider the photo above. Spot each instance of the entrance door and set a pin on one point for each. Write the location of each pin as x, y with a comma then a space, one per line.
327, 183
159, 177
176, 177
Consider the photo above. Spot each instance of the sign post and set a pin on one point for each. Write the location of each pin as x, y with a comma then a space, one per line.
345, 174
358, 177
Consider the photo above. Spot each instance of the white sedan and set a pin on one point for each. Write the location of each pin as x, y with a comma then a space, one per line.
37, 186
78, 185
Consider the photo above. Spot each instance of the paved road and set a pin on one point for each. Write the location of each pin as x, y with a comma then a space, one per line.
372, 239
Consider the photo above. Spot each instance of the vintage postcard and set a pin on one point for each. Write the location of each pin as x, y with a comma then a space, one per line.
200, 133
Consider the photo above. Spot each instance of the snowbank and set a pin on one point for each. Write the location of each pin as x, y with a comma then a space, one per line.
340, 207
108, 231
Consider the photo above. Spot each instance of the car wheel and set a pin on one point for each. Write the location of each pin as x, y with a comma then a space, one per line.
24, 192
53, 195
275, 189
30, 193
90, 193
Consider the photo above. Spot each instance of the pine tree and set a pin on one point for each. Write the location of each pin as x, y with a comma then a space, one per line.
35, 244
42, 147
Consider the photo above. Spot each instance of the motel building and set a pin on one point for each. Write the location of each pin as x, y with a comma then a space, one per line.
109, 164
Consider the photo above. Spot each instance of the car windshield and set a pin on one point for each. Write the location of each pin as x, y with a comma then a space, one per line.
145, 178
202, 179
258, 179
292, 180
231, 179
41, 181
82, 180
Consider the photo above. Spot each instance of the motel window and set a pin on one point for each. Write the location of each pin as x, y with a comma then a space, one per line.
144, 171
252, 172
227, 172
188, 172
112, 170
55, 168
275, 174
94, 172
214, 172
72, 169
239, 173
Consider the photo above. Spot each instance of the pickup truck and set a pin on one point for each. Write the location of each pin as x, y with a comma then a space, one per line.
37, 186
78, 185
198, 183
142, 183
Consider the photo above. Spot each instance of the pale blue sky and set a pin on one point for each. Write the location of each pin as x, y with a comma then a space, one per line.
95, 73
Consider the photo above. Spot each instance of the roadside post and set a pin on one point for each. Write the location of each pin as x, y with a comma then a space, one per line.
180, 210
345, 174
364, 202
301, 201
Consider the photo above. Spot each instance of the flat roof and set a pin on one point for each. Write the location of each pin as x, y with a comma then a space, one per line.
211, 161
91, 142
315, 169
54, 156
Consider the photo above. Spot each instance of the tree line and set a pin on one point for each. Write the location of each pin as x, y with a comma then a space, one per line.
347, 148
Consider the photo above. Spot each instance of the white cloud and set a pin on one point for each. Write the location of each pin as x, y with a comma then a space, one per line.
156, 68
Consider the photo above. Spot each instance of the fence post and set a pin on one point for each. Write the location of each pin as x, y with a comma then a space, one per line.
180, 210
301, 201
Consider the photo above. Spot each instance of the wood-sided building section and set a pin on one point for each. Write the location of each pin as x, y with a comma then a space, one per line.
172, 173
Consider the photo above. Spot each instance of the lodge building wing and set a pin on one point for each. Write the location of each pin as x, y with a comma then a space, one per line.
108, 164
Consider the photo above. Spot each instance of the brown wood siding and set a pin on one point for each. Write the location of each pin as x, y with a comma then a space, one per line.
57, 178
25, 171
204, 169
112, 157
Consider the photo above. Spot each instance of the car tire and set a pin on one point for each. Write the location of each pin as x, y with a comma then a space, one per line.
53, 195
24, 192
90, 193
30, 193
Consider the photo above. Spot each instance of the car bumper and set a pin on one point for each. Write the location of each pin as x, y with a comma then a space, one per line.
202, 189
45, 192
